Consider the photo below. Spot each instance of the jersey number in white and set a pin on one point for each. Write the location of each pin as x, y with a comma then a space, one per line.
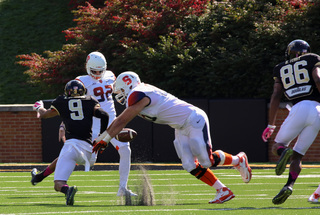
75, 106
294, 74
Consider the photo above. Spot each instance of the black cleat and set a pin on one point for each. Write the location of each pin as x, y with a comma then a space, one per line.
282, 196
283, 160
70, 195
34, 172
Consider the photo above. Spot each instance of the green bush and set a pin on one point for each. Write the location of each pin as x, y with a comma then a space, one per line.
27, 27
192, 48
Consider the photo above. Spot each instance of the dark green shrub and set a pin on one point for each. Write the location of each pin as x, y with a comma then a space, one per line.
226, 49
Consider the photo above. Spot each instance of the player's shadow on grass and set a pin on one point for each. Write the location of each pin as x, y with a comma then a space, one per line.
314, 186
34, 197
252, 208
76, 205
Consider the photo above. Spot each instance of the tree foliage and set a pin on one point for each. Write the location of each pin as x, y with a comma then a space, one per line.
192, 48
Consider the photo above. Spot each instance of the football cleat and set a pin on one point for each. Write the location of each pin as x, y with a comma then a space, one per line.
34, 172
243, 167
70, 195
124, 192
314, 198
283, 160
223, 194
282, 196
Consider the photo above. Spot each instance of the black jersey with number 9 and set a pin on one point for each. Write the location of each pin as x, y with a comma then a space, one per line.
76, 114
296, 78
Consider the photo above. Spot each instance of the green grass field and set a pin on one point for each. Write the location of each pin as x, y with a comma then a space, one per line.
176, 192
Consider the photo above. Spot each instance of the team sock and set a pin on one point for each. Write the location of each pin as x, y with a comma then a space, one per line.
223, 158
64, 189
280, 150
292, 178
209, 178
47, 172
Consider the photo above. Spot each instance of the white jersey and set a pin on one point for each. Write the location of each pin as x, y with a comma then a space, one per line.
191, 124
101, 90
164, 108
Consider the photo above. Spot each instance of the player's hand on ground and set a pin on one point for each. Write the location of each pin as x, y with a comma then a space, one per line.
37, 105
268, 132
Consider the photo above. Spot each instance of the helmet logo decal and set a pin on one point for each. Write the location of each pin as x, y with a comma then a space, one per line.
127, 80
75, 89
88, 58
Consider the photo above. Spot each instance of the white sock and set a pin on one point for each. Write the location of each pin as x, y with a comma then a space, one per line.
317, 190
235, 160
124, 165
218, 184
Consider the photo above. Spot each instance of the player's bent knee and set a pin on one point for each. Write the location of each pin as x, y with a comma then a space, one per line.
198, 172
189, 166
206, 164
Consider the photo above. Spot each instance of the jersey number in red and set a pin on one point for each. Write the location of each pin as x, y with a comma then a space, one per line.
99, 92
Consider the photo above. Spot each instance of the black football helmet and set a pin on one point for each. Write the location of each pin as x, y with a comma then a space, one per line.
74, 88
297, 48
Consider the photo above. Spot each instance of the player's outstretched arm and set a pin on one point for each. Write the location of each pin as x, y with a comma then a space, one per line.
44, 113
119, 123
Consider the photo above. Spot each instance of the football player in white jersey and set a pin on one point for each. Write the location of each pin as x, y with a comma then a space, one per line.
192, 134
99, 84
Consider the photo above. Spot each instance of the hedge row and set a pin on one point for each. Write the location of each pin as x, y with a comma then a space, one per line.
192, 48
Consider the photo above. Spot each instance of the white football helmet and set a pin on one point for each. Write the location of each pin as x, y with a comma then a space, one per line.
96, 65
125, 82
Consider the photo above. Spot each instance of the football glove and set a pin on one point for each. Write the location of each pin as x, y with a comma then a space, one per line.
268, 132
101, 145
38, 105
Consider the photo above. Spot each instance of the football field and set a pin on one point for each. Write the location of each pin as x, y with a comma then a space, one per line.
175, 192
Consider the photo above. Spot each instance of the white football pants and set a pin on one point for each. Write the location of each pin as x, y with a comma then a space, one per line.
303, 121
123, 149
193, 141
73, 152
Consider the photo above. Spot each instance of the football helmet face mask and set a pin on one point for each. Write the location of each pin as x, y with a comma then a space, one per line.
75, 88
96, 65
297, 48
125, 82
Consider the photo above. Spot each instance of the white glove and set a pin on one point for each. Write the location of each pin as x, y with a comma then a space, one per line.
38, 105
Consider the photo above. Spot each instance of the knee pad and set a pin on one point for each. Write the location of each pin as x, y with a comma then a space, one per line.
219, 157
198, 172
189, 166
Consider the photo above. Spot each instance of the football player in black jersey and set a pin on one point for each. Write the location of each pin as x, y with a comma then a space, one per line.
298, 78
76, 111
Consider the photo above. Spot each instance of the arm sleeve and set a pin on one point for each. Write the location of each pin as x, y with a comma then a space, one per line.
104, 116
135, 97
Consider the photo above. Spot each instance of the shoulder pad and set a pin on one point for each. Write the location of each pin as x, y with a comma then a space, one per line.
86, 80
109, 75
